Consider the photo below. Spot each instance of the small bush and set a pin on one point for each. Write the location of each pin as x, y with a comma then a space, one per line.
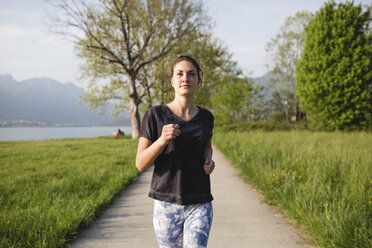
257, 125
277, 116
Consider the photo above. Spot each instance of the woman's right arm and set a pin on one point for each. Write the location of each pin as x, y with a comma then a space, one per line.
147, 151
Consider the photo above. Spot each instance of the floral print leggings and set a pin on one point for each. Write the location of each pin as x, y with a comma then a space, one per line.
178, 226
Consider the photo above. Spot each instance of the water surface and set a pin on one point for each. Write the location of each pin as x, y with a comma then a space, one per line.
42, 133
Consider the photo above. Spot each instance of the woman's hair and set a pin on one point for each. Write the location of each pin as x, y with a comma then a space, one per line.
192, 61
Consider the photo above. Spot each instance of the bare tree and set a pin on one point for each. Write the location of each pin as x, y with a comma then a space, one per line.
117, 39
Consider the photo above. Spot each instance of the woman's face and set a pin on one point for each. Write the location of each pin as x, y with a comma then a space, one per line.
185, 79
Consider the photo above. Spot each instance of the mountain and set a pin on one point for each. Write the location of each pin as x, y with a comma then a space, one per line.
270, 87
265, 81
45, 101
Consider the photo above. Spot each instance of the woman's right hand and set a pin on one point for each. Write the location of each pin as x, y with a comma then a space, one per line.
169, 132
147, 151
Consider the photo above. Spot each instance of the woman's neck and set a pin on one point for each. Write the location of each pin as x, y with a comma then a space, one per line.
183, 107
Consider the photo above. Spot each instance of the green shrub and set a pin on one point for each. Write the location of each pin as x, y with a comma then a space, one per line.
254, 125
334, 74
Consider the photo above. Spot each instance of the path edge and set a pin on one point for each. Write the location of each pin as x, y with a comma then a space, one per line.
298, 228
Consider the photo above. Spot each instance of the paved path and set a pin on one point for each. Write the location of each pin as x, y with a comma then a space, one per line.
240, 218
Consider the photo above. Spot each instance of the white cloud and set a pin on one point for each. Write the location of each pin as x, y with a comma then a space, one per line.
15, 32
27, 53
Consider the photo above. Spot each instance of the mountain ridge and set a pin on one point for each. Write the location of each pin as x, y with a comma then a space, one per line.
46, 101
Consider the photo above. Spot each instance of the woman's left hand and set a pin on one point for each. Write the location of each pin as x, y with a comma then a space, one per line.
209, 167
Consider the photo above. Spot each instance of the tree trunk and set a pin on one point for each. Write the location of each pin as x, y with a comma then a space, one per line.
148, 95
134, 114
134, 101
299, 114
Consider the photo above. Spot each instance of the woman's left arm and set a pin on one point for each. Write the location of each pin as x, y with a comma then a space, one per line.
209, 163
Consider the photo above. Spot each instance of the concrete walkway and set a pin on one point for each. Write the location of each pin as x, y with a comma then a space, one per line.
240, 218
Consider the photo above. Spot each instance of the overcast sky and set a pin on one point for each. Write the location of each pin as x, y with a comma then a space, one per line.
27, 51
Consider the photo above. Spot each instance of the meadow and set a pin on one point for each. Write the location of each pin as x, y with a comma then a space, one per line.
322, 181
50, 189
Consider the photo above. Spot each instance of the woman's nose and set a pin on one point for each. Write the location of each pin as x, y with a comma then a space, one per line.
185, 77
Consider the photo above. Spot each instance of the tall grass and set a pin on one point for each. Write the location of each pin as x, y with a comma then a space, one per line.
321, 180
50, 189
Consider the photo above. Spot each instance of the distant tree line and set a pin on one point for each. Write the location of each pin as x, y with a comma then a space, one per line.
316, 61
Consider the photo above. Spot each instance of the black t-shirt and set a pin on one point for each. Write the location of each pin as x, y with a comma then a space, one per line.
178, 175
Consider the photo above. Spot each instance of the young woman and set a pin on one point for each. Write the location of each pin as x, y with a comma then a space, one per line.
176, 138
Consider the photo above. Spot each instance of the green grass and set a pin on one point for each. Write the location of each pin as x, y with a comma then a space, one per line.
50, 189
322, 181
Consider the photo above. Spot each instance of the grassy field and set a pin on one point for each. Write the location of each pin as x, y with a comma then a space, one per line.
50, 189
323, 181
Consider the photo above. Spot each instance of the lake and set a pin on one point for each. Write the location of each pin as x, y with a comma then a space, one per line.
42, 133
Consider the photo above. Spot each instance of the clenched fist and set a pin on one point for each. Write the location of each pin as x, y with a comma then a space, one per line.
169, 132
209, 167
